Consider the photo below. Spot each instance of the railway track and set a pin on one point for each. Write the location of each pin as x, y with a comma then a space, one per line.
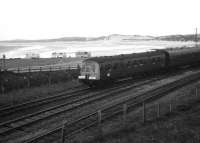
38, 103
27, 120
112, 109
7, 111
23, 109
41, 104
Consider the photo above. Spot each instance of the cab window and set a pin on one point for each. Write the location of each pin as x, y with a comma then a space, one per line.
129, 64
115, 66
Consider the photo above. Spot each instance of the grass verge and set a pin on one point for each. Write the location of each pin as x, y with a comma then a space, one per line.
181, 125
27, 94
13, 81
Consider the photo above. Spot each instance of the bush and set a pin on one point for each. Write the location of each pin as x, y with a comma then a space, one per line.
11, 81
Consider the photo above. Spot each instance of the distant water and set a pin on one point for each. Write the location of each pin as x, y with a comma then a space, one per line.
97, 48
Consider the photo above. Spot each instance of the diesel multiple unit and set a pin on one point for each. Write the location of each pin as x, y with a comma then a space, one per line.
102, 69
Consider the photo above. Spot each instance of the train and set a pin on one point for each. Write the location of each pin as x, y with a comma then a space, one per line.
100, 70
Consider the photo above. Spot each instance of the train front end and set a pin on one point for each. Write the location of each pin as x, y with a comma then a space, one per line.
90, 73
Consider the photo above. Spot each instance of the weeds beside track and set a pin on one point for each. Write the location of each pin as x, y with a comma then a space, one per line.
112, 109
27, 120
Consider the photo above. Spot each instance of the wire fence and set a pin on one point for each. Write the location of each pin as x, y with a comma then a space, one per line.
18, 78
150, 112
42, 68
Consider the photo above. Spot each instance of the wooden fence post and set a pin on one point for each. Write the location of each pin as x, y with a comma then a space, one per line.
99, 122
2, 88
12, 99
29, 82
175, 98
144, 113
49, 79
29, 69
4, 62
99, 117
124, 113
18, 70
40, 69
196, 91
170, 107
158, 110
63, 133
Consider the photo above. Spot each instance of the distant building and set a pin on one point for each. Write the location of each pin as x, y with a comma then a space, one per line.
83, 54
58, 55
32, 56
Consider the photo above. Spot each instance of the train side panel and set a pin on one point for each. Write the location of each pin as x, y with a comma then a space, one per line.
183, 56
132, 66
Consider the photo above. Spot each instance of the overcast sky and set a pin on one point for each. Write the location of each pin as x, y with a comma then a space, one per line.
36, 19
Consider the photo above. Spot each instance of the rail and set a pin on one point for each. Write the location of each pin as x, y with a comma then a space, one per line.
58, 109
114, 108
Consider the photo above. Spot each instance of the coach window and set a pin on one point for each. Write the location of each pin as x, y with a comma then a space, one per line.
141, 62
115, 66
106, 67
121, 64
153, 61
109, 66
138, 62
135, 63
101, 67
159, 59
129, 64
145, 61
156, 59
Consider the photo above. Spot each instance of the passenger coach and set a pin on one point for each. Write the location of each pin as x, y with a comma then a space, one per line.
99, 70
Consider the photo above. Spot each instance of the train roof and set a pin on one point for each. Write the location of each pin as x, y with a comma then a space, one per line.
182, 50
124, 56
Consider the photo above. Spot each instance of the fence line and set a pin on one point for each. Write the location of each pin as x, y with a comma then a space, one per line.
27, 79
42, 68
125, 107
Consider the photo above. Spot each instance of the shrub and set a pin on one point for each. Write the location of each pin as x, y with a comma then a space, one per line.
11, 81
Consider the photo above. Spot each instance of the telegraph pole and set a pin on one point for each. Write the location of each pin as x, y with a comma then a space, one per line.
4, 62
196, 37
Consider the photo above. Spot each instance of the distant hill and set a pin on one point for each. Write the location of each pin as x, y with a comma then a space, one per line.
116, 37
113, 37
69, 39
189, 37
129, 37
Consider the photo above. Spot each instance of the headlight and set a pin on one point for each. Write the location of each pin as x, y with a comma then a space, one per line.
81, 77
91, 77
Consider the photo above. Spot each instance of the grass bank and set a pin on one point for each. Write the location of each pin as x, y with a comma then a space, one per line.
180, 125
15, 81
27, 94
